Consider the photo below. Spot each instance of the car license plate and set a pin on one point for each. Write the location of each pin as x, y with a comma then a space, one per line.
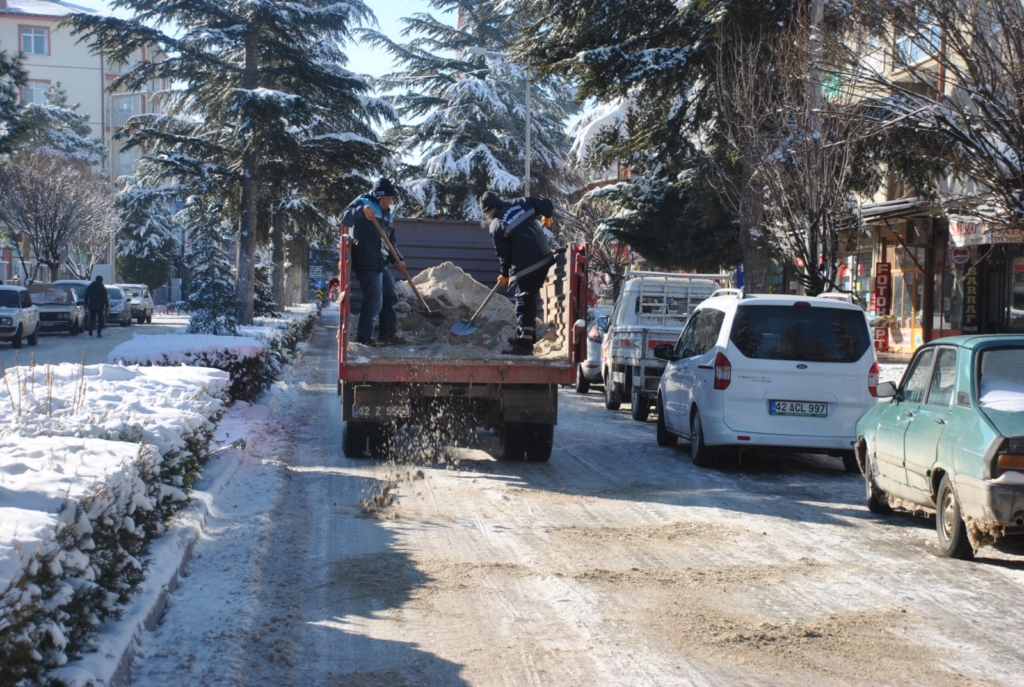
50, 324
799, 408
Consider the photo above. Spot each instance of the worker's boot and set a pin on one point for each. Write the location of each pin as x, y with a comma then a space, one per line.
520, 347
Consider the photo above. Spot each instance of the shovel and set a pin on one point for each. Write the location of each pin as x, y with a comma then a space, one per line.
431, 314
467, 327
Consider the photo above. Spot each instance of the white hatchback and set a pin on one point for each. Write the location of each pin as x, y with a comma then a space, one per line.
752, 371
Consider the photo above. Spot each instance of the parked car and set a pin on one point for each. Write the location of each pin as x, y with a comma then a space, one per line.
79, 285
59, 308
140, 300
753, 371
589, 371
19, 318
120, 311
951, 440
651, 310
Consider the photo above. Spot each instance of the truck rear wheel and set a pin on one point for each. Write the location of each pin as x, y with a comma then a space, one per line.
353, 440
382, 440
640, 405
530, 441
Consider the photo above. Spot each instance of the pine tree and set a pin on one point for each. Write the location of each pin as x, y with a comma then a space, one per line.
211, 285
265, 305
12, 76
470, 110
264, 98
148, 240
59, 128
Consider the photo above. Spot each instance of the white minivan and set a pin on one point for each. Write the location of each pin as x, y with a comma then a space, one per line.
753, 371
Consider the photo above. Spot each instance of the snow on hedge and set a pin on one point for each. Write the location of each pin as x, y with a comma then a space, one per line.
93, 462
252, 359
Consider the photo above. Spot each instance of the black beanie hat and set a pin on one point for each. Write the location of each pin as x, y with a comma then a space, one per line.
489, 200
383, 187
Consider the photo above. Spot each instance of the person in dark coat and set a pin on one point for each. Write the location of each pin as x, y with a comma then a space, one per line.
96, 303
371, 261
525, 257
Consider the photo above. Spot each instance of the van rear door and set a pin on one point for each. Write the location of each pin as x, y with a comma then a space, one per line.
798, 369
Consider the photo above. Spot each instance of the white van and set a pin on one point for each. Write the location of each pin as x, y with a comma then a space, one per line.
752, 371
651, 310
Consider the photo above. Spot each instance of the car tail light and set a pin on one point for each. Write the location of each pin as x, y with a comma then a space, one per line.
873, 379
801, 304
594, 334
626, 343
723, 372
1009, 462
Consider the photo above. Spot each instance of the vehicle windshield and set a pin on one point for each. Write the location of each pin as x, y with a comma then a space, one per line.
813, 334
114, 294
53, 295
9, 299
132, 293
1001, 379
79, 290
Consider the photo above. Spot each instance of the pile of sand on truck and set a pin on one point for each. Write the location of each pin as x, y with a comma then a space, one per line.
449, 290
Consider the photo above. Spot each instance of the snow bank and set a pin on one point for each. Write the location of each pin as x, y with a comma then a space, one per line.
93, 462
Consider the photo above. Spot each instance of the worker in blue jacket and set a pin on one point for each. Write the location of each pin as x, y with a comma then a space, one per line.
524, 255
371, 261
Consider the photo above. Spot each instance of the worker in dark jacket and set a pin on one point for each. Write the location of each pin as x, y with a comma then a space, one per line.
371, 261
525, 257
96, 302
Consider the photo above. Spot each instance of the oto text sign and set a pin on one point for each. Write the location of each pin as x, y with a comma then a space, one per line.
881, 296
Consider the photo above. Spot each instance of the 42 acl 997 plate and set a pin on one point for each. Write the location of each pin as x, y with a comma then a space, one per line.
798, 408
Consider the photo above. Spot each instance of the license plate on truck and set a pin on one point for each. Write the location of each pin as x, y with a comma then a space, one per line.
379, 412
799, 408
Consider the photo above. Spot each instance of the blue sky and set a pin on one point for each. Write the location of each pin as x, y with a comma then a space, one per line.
362, 59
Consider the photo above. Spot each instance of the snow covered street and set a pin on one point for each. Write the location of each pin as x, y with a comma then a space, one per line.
617, 563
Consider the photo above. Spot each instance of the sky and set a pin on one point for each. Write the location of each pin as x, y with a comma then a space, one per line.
362, 58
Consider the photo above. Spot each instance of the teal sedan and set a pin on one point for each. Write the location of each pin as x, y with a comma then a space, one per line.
950, 441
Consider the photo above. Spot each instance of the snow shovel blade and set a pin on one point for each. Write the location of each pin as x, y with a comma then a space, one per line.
464, 328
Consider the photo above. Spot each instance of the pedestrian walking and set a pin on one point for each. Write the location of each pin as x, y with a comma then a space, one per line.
525, 257
371, 261
97, 302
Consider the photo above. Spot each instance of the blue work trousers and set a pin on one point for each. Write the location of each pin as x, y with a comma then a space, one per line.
379, 300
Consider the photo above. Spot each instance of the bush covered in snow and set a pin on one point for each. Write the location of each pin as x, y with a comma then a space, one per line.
95, 461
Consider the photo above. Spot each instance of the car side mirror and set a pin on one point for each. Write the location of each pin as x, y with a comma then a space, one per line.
665, 352
886, 390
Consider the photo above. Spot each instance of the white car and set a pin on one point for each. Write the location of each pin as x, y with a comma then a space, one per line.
589, 371
19, 318
768, 371
120, 311
140, 301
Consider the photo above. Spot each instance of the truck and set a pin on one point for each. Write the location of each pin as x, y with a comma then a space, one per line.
651, 310
516, 396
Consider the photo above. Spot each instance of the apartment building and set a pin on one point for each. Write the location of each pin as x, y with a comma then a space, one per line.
52, 55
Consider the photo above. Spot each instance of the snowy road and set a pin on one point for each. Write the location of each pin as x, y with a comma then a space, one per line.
618, 563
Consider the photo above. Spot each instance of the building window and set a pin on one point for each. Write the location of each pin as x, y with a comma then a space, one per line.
922, 44
34, 92
35, 41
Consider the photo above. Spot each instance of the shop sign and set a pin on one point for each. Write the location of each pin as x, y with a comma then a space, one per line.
973, 231
881, 295
881, 339
972, 303
960, 255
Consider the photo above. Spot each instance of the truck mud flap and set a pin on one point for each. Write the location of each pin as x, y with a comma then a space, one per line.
538, 404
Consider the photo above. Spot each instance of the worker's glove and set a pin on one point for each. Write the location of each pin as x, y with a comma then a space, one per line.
547, 222
502, 281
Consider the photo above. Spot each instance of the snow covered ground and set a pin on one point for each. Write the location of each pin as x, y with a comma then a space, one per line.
617, 563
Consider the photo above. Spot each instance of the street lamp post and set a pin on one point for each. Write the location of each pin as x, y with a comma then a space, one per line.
490, 53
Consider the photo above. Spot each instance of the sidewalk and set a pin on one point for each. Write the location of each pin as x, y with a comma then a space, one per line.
903, 358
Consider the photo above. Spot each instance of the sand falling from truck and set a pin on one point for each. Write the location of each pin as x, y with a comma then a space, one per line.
449, 290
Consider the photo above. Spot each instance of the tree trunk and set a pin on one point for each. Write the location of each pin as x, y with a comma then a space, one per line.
752, 239
245, 288
297, 279
278, 257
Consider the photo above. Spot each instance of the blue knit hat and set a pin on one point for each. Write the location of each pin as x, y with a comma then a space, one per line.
383, 187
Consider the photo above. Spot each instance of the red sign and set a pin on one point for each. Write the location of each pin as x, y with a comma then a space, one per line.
960, 255
881, 339
882, 294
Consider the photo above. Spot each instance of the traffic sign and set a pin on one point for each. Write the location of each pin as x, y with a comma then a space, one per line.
319, 283
960, 255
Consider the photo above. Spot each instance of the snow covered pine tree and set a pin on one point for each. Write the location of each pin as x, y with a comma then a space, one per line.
471, 132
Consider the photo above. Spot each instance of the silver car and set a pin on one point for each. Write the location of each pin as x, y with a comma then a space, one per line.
589, 370
120, 311
59, 308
